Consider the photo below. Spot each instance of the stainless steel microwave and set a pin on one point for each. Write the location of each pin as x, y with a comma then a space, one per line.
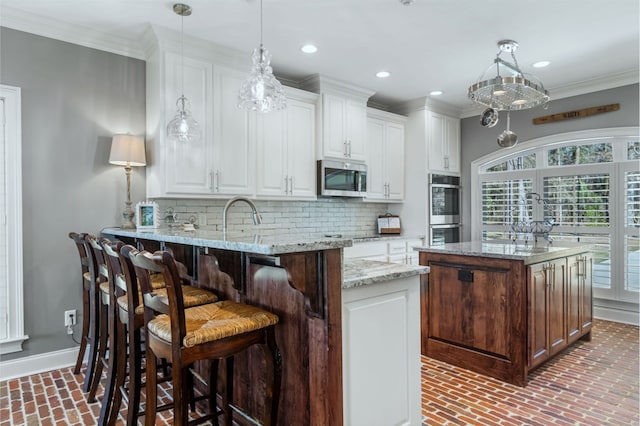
342, 179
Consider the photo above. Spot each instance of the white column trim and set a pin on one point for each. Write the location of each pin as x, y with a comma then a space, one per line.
13, 172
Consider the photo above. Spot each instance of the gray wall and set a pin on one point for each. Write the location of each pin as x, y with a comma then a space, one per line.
477, 141
73, 100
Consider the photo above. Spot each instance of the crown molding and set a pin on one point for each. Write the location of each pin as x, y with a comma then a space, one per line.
427, 103
322, 84
597, 84
75, 34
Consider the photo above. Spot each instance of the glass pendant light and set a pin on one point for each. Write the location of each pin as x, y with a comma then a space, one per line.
261, 91
183, 127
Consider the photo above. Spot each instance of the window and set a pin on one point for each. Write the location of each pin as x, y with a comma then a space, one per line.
581, 200
580, 154
590, 182
632, 227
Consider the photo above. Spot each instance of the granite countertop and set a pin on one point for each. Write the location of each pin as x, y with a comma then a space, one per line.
360, 272
384, 237
531, 253
239, 241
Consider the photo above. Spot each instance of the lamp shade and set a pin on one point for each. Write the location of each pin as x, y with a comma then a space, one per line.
127, 150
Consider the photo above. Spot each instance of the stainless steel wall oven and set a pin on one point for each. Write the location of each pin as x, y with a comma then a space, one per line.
444, 209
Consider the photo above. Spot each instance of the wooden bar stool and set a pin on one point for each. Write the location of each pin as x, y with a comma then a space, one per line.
126, 318
90, 307
208, 332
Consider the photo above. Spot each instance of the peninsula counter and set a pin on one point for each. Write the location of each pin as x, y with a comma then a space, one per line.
302, 279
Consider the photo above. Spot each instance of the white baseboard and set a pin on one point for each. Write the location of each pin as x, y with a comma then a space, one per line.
616, 315
38, 363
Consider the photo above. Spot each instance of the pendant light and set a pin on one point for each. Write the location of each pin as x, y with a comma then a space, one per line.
261, 91
183, 127
512, 92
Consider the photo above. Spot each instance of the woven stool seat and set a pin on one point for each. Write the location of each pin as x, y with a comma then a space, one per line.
191, 296
216, 321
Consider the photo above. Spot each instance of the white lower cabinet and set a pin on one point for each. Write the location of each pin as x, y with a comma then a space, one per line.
381, 353
394, 251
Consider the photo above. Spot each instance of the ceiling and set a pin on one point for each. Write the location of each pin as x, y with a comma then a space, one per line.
428, 45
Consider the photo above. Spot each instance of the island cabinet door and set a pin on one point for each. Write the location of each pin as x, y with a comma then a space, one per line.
468, 307
579, 309
586, 295
557, 296
573, 298
538, 333
547, 320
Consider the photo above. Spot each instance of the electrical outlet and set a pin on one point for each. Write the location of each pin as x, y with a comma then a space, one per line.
202, 219
70, 318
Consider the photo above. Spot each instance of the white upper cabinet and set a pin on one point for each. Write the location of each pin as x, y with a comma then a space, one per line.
385, 156
221, 163
186, 164
443, 143
233, 148
286, 149
344, 127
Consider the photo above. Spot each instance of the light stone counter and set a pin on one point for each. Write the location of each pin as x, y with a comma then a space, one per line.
530, 253
361, 272
239, 241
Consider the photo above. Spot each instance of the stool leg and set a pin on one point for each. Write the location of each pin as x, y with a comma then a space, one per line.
213, 389
103, 321
227, 399
180, 395
85, 331
116, 368
151, 388
135, 376
94, 336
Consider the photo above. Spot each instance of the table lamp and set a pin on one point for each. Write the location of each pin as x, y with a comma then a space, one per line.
127, 151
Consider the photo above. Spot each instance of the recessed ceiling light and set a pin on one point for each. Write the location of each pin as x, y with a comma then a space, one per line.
309, 48
541, 64
436, 92
383, 74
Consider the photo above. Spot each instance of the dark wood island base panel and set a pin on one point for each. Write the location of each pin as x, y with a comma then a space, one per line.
502, 317
304, 290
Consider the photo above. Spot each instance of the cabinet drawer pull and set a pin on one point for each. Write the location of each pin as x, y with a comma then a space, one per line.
217, 180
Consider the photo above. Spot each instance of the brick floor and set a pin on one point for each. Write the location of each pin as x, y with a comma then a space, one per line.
591, 383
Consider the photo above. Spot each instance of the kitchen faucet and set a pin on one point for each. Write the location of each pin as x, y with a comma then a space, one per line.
257, 219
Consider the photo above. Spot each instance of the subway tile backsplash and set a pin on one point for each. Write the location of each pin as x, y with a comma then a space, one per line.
330, 215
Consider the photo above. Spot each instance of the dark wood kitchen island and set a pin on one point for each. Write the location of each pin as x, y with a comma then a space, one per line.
297, 277
502, 309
